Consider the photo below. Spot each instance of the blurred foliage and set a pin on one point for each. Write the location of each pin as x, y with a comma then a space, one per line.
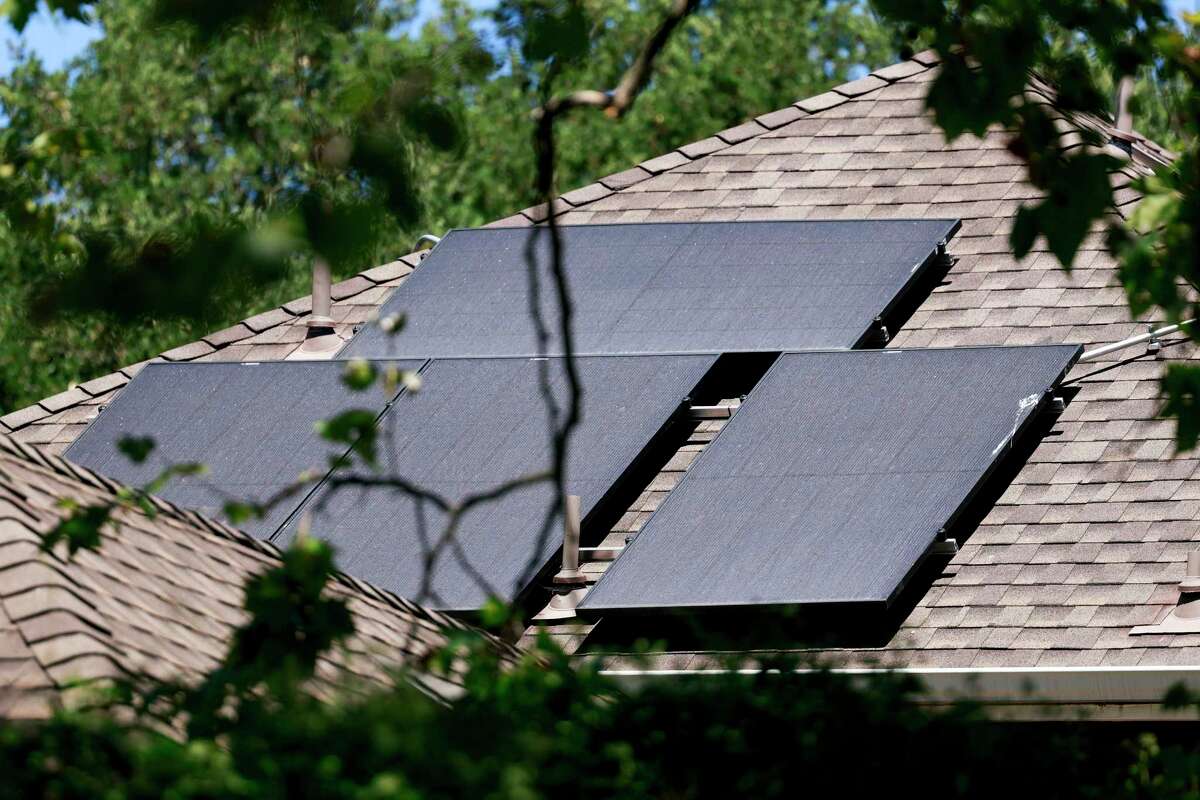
166, 184
547, 725
172, 181
728, 63
988, 49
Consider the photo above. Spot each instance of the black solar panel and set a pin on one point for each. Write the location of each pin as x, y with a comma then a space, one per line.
662, 287
833, 479
250, 424
475, 424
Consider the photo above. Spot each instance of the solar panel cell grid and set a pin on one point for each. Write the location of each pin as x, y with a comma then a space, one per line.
475, 424
833, 479
250, 424
661, 288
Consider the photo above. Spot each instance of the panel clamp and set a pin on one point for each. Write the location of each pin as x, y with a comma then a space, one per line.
945, 547
881, 331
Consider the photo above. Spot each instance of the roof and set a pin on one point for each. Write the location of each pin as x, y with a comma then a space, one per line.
1091, 537
159, 598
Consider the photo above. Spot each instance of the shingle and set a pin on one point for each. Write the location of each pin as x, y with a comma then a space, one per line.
1111, 594
58, 402
586, 194
664, 162
105, 384
821, 102
861, 86
1051, 616
1098, 573
740, 133
776, 119
622, 180
703, 147
229, 335
267, 319
188, 352
1008, 657
350, 287
540, 212
40, 434
1071, 658
513, 221
927, 57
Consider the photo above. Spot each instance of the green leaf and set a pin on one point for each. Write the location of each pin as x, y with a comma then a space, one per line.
1024, 231
238, 512
358, 374
1080, 195
495, 613
182, 470
1181, 387
80, 530
355, 428
1154, 211
1179, 697
393, 324
550, 30
136, 448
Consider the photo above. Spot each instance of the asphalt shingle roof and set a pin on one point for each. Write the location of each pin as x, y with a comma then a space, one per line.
1091, 537
160, 597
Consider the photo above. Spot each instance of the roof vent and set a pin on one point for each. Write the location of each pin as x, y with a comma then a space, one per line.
569, 584
1191, 581
1122, 136
320, 340
1123, 122
1185, 617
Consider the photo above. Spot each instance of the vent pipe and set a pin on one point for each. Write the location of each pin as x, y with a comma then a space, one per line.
1124, 118
320, 340
570, 575
569, 585
1191, 580
322, 303
1185, 616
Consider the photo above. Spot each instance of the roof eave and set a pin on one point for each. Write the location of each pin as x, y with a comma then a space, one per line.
1109, 694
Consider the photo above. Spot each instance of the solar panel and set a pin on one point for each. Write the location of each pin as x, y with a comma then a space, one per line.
833, 479
662, 287
251, 424
475, 424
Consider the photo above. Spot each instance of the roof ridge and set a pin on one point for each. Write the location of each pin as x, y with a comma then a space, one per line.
577, 199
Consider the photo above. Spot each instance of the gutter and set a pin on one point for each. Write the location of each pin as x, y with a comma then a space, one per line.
1123, 694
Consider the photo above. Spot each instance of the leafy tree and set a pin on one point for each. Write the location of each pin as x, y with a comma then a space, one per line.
112, 167
988, 49
134, 176
731, 62
545, 725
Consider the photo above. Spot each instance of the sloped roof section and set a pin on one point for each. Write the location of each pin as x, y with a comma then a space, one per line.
1091, 537
160, 597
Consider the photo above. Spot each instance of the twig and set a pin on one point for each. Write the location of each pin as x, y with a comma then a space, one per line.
614, 104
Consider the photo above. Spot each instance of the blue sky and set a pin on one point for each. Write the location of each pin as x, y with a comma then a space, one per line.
57, 40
